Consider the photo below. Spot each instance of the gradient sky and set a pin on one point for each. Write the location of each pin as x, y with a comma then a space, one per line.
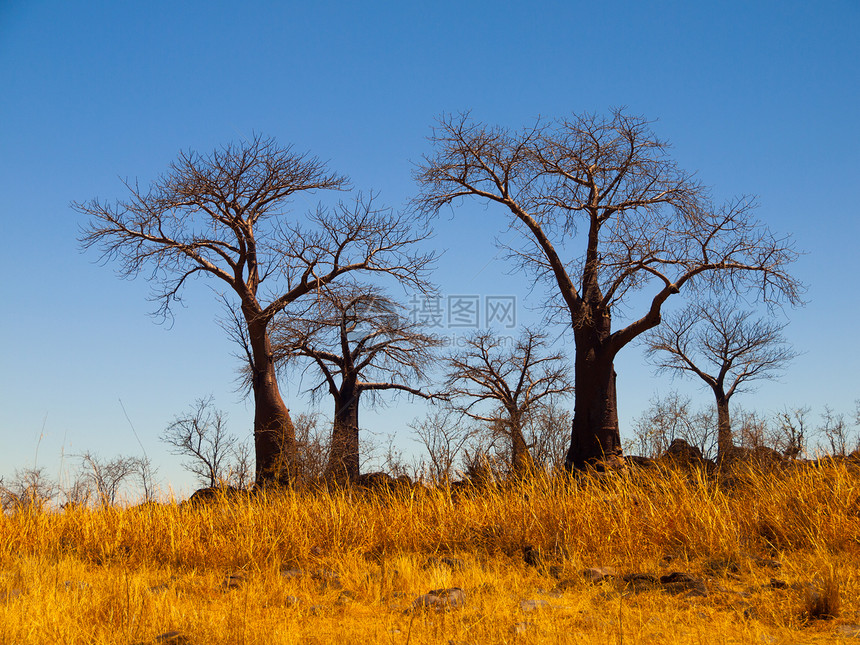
758, 98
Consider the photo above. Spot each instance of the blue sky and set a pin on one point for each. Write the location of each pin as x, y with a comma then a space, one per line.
757, 98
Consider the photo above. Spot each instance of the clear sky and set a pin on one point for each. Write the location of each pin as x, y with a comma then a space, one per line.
757, 97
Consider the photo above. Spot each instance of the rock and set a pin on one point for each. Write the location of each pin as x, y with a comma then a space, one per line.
682, 453
327, 578
527, 606
638, 582
523, 627
455, 564
233, 580
214, 494
759, 456
173, 638
441, 599
598, 574
678, 582
344, 597
640, 462
766, 562
532, 556
10, 594
383, 481
722, 566
168, 638
848, 631
564, 585
290, 574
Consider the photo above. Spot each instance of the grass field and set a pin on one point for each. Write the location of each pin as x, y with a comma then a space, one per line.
769, 557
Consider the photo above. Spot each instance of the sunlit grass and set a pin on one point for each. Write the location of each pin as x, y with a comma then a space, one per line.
114, 575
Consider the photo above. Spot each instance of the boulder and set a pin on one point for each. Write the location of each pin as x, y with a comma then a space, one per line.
441, 599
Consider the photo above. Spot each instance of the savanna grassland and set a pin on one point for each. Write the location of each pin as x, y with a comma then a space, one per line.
646, 556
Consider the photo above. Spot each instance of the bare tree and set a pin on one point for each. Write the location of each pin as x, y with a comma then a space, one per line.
547, 431
106, 476
201, 435
789, 434
29, 490
314, 445
754, 431
603, 212
77, 493
224, 216
836, 432
240, 470
725, 348
672, 417
444, 435
359, 341
514, 382
145, 472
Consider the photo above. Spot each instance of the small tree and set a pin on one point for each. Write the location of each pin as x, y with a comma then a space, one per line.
547, 431
106, 476
359, 341
789, 435
513, 382
29, 490
225, 216
836, 433
726, 349
672, 417
145, 472
444, 436
314, 445
201, 436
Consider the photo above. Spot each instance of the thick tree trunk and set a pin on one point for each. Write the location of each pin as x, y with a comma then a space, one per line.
274, 434
724, 425
343, 465
595, 437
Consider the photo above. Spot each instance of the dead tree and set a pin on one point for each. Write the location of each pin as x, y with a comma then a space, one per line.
514, 382
225, 216
106, 476
201, 436
445, 437
359, 341
603, 212
725, 348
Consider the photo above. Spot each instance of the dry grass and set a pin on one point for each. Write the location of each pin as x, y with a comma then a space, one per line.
128, 575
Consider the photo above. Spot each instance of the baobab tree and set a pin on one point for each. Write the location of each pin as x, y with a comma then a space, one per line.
724, 347
360, 342
225, 216
515, 382
603, 212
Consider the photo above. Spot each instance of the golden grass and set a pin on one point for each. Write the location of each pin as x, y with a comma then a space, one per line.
116, 575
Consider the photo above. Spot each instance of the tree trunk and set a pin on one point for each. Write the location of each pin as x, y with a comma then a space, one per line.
343, 465
595, 437
521, 458
724, 425
274, 434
